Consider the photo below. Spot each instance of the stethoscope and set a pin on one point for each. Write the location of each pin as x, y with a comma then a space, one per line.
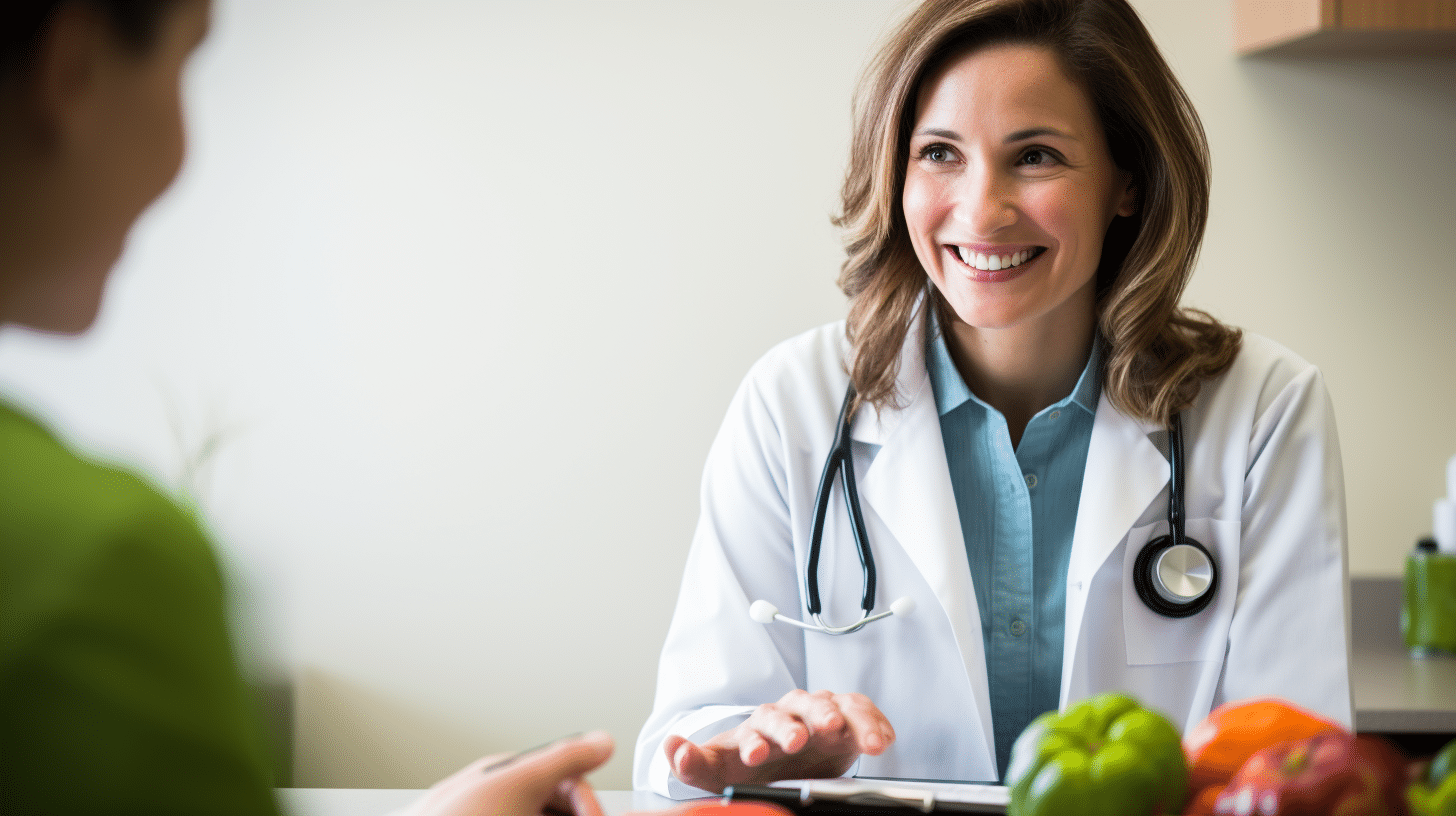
1174, 574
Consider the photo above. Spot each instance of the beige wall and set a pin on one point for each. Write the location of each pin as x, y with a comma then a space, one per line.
1334, 231
464, 287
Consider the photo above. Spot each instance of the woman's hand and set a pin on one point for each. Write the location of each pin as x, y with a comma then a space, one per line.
547, 779
802, 736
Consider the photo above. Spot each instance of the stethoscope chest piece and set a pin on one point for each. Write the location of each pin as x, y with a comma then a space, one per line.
1182, 573
1175, 579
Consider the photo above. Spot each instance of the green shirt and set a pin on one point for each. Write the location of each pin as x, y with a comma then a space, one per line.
119, 688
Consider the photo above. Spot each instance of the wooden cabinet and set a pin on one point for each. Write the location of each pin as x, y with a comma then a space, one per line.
1345, 27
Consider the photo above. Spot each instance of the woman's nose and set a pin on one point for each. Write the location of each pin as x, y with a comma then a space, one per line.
985, 203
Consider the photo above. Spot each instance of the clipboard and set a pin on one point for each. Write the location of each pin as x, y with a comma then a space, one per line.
864, 796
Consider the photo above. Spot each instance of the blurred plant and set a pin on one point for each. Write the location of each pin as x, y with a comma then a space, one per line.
196, 447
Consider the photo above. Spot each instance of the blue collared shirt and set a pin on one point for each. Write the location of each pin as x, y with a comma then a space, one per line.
1018, 509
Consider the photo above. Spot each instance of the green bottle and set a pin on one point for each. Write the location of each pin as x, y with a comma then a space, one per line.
1428, 618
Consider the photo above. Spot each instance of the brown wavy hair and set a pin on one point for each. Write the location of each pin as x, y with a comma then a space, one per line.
1157, 354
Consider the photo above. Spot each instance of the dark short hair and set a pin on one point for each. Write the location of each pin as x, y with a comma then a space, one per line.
135, 22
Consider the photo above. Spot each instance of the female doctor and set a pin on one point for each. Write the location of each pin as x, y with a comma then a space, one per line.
1033, 423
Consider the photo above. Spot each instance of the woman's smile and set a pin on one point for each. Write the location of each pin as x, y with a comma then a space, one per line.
992, 264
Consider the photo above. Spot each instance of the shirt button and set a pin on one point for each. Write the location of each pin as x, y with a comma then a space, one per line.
1056, 414
1031, 480
1018, 627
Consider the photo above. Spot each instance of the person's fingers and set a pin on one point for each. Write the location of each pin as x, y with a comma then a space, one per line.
485, 763
871, 729
693, 764
779, 724
753, 749
522, 783
819, 709
540, 771
678, 750
577, 796
802, 734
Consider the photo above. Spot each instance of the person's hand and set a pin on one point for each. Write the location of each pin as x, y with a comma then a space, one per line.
544, 780
802, 736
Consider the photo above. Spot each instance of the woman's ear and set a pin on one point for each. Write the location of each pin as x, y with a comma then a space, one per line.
1128, 204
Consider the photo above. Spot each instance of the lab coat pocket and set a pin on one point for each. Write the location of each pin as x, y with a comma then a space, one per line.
1153, 638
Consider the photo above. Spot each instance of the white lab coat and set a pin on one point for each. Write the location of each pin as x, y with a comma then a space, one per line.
1264, 493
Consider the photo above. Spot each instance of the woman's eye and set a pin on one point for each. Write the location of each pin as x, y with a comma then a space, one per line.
937, 154
1038, 157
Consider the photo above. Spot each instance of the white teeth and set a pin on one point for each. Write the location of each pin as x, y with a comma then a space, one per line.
993, 263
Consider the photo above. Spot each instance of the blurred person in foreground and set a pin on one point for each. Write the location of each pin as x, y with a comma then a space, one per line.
119, 688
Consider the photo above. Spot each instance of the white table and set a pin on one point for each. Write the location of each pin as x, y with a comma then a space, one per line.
384, 801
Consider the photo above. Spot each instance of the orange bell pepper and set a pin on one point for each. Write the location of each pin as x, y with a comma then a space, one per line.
1233, 732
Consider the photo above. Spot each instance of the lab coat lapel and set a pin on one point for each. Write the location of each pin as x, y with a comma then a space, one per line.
908, 486
1125, 473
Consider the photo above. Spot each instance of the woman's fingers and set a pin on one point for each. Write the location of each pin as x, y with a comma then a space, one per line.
754, 748
800, 735
872, 730
825, 721
694, 765
778, 725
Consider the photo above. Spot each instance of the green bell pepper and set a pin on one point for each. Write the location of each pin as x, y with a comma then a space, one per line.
1104, 755
1435, 793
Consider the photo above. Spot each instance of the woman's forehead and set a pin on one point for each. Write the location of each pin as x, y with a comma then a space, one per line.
1006, 85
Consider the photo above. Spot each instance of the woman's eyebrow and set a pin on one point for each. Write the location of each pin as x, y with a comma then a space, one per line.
1018, 136
1032, 133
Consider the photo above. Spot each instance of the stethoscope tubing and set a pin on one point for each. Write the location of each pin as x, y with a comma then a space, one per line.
840, 459
1145, 568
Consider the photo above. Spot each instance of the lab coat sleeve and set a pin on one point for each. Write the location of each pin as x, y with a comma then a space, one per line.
717, 664
1290, 632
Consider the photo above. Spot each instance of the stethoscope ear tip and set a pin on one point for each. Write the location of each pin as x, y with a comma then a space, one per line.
902, 606
762, 611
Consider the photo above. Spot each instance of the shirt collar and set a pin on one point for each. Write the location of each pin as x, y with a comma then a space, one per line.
951, 390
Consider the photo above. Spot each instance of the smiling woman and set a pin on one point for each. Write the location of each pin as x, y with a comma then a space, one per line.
1006, 203
1024, 403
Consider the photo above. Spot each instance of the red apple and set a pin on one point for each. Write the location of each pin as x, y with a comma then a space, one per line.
1331, 774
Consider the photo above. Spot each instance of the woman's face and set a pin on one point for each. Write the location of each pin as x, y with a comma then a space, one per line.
1010, 189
